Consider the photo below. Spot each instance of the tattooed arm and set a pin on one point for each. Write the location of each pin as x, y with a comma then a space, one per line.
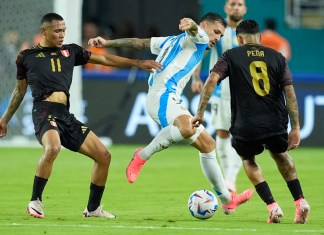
17, 96
135, 43
292, 107
117, 61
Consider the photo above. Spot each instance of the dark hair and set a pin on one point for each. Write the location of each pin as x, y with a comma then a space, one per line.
211, 17
49, 17
270, 24
247, 26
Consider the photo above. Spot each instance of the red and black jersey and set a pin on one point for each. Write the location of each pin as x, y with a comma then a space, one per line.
257, 75
50, 69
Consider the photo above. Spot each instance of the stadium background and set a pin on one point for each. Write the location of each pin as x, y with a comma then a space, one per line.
113, 103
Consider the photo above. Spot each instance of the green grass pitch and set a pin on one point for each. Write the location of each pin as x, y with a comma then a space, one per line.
156, 203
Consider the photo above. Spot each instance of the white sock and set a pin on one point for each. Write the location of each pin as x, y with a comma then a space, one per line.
235, 164
214, 174
166, 137
230, 161
222, 153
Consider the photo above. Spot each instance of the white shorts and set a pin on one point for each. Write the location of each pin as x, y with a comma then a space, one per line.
164, 107
221, 113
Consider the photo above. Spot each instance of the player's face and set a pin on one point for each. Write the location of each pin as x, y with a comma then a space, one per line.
235, 9
215, 30
54, 33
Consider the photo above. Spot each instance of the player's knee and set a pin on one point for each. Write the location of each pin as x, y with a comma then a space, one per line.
283, 159
51, 152
187, 131
204, 143
285, 165
105, 157
223, 134
200, 134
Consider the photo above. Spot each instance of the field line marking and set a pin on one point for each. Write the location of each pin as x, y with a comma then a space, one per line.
152, 227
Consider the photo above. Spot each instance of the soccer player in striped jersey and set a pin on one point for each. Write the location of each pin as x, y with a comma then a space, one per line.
221, 100
179, 56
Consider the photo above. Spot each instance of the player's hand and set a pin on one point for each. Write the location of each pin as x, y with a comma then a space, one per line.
149, 65
197, 86
97, 42
197, 120
186, 24
3, 128
293, 139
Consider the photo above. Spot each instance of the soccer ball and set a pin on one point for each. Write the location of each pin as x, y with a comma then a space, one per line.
202, 204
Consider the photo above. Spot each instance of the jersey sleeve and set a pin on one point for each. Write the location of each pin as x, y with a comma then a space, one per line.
157, 44
200, 37
82, 55
286, 78
21, 69
221, 67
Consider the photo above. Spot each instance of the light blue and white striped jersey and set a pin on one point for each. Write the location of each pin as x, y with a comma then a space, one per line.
179, 56
228, 41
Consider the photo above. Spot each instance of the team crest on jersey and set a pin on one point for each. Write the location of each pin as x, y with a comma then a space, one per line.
65, 53
53, 123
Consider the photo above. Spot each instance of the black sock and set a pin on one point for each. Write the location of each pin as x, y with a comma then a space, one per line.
264, 192
95, 196
38, 188
295, 189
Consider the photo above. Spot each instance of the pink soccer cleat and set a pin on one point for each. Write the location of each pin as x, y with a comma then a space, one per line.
134, 167
302, 211
236, 200
275, 213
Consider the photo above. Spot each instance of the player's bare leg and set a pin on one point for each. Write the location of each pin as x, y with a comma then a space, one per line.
288, 171
52, 146
95, 149
285, 165
255, 174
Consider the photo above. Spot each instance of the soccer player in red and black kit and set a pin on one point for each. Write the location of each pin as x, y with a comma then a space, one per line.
47, 68
260, 82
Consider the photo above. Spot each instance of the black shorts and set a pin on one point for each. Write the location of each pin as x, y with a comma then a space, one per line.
248, 149
50, 115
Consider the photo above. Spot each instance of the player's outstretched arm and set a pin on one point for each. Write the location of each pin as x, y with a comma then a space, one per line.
17, 96
118, 61
135, 43
292, 107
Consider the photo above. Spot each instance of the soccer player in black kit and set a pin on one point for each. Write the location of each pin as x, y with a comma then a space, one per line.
260, 82
47, 68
